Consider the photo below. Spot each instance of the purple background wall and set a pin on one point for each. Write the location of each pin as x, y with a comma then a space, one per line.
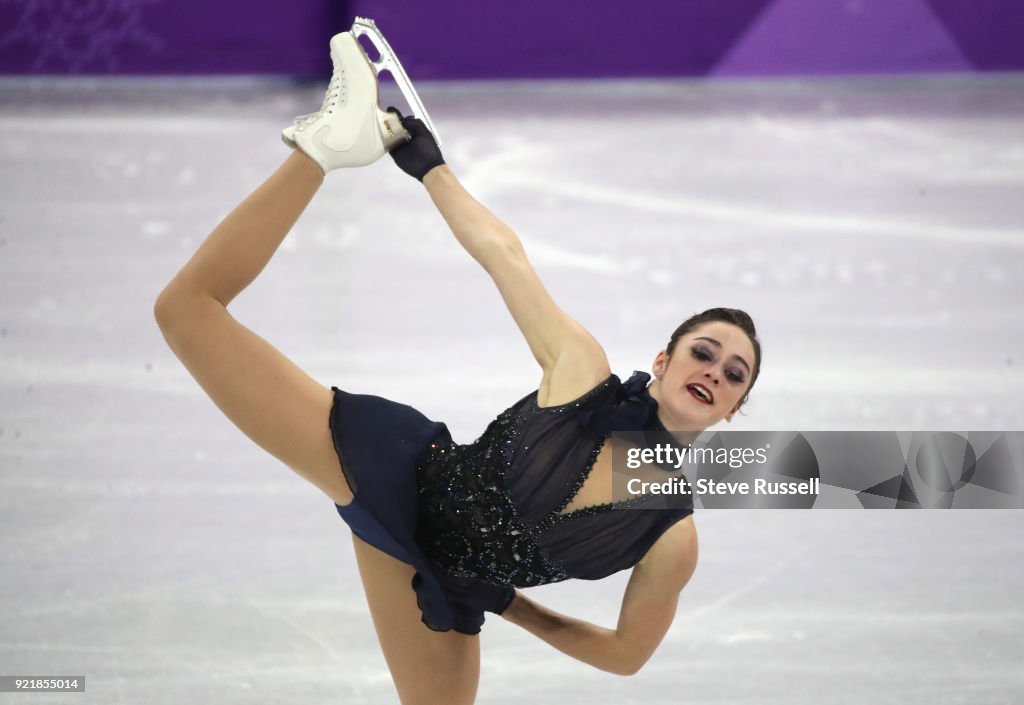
568, 38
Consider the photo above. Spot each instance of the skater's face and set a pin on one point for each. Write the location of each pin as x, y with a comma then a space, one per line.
705, 378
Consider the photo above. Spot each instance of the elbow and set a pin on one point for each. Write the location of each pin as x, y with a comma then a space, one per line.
627, 665
630, 669
630, 659
624, 669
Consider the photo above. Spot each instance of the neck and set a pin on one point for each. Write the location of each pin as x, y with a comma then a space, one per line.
685, 433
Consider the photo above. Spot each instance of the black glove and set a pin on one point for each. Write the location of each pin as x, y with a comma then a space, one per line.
492, 598
473, 595
502, 600
420, 154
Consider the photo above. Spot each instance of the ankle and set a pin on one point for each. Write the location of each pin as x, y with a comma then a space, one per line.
307, 165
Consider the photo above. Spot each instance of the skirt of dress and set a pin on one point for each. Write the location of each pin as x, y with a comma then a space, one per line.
380, 443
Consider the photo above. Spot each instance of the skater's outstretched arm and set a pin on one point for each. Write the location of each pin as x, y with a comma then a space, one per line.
648, 609
592, 644
573, 362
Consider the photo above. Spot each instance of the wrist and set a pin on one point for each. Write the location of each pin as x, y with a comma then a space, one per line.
511, 611
437, 174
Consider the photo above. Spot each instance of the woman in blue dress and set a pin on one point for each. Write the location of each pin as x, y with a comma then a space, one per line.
444, 532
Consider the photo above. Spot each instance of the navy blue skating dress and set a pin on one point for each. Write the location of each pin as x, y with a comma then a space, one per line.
477, 521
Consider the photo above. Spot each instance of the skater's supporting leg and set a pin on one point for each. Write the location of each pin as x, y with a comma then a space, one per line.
427, 667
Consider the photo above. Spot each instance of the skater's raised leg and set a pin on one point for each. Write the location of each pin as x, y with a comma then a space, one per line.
271, 400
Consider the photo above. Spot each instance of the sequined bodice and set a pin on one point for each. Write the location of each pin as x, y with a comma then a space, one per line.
468, 523
491, 510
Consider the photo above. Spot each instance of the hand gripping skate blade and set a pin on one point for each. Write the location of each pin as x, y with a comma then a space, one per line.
389, 62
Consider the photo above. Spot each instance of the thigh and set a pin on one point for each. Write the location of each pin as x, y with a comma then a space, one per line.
427, 666
269, 398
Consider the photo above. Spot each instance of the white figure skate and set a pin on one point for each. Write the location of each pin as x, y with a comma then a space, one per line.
350, 129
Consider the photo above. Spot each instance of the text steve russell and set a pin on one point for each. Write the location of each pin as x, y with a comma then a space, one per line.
705, 486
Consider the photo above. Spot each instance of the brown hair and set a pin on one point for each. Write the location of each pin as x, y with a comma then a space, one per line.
728, 315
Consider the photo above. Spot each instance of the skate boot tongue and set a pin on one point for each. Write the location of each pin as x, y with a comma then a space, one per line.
350, 129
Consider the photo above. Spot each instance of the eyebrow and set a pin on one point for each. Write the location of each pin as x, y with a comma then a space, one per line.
736, 357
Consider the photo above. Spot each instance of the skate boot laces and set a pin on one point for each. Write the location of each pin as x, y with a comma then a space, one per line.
336, 91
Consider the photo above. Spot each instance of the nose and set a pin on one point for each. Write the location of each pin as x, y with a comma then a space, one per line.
711, 377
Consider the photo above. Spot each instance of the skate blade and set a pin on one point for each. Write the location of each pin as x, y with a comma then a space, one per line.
389, 62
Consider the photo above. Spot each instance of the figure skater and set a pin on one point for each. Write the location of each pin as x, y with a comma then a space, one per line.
444, 532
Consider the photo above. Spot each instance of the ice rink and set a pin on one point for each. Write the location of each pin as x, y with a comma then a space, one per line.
874, 229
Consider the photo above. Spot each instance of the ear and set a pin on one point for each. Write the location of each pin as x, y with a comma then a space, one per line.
660, 364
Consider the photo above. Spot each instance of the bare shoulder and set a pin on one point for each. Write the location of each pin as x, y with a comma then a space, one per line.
674, 554
581, 366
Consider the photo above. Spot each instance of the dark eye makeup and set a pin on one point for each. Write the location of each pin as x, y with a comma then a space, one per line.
705, 355
701, 353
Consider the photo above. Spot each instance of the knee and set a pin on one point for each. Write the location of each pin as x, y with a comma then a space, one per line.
166, 308
464, 696
172, 306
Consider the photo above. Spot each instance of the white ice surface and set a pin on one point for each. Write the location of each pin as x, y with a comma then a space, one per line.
874, 229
